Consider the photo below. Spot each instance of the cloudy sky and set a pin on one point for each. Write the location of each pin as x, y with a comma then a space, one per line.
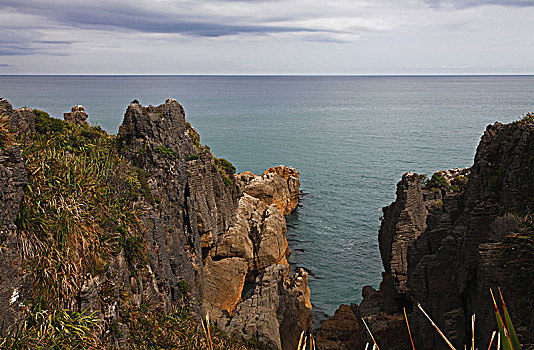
267, 37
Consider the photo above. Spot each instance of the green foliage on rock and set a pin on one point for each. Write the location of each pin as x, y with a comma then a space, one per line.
189, 157
438, 181
528, 118
228, 167
75, 206
166, 152
44, 124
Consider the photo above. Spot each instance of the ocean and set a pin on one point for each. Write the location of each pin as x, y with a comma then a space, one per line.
351, 138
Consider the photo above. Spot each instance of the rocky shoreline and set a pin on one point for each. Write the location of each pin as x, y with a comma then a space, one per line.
206, 230
444, 243
191, 231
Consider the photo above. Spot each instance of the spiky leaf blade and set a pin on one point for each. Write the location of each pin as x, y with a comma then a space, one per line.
509, 326
506, 344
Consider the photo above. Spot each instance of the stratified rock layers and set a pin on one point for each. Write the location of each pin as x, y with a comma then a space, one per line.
441, 247
204, 235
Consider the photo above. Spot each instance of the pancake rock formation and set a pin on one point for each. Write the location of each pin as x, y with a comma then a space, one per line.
444, 243
277, 185
202, 236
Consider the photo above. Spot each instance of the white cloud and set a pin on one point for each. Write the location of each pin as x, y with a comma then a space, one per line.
266, 37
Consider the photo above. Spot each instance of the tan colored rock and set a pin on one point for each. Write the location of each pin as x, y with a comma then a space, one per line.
224, 280
276, 313
258, 236
278, 185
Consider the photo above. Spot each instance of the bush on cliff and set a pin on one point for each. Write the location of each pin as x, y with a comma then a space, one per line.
75, 212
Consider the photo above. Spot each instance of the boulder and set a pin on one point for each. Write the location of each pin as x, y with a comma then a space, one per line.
278, 185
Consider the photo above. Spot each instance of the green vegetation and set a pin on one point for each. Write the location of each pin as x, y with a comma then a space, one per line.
528, 118
193, 135
147, 328
438, 181
79, 211
166, 152
58, 329
183, 286
76, 212
142, 177
506, 328
228, 167
226, 170
44, 124
150, 328
189, 157
423, 178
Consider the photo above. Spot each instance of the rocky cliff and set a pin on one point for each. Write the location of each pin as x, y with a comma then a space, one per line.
179, 228
445, 242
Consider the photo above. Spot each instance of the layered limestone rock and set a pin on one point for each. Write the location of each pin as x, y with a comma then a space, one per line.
444, 243
205, 238
15, 288
278, 185
276, 307
76, 116
21, 120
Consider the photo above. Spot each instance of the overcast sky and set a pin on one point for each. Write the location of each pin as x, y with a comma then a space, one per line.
267, 37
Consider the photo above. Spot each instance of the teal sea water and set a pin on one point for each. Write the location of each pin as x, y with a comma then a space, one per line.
350, 137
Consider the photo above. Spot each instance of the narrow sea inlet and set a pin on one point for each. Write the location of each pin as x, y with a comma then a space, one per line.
351, 138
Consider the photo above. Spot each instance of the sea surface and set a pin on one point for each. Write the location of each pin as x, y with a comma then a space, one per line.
351, 138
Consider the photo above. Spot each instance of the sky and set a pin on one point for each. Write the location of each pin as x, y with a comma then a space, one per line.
267, 37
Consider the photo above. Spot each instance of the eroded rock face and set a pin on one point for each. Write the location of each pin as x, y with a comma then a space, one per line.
15, 288
205, 237
76, 116
187, 203
341, 331
441, 246
21, 120
275, 313
278, 185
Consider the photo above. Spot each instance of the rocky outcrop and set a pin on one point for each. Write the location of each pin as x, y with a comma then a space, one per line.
256, 241
445, 242
206, 232
205, 238
278, 185
76, 116
276, 307
21, 120
14, 286
344, 330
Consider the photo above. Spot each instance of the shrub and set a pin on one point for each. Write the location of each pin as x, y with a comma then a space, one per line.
228, 167
528, 118
166, 152
82, 200
44, 124
438, 181
189, 156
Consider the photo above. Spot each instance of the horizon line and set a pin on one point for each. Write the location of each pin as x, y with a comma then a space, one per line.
277, 75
